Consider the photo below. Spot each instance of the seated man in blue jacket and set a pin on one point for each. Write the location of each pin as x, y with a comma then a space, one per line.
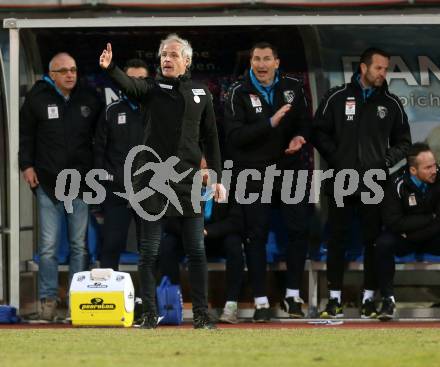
223, 231
411, 213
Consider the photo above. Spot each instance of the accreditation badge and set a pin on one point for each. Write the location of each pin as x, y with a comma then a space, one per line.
412, 200
255, 100
122, 118
52, 112
199, 92
350, 107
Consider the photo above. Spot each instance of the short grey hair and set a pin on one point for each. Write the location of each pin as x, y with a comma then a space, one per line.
187, 50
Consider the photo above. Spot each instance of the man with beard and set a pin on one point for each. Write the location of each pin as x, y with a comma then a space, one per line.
358, 126
411, 213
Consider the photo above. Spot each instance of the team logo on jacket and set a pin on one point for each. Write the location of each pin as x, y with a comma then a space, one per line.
85, 111
255, 100
289, 96
382, 112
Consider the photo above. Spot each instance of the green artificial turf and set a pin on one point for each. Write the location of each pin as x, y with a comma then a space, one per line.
227, 347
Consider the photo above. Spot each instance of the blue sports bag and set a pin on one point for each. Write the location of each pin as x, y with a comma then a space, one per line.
169, 302
8, 315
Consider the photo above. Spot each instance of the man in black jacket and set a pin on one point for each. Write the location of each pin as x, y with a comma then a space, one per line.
56, 129
411, 214
267, 124
120, 128
358, 126
180, 127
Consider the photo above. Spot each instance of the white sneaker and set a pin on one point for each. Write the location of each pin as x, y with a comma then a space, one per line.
230, 314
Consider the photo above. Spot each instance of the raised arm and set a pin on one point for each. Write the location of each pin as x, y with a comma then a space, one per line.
106, 57
137, 89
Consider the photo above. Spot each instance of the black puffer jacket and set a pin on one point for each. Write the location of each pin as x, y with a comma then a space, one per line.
121, 127
350, 132
409, 211
180, 122
56, 134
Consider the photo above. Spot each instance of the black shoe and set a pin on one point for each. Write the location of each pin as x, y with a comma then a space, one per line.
333, 310
148, 320
368, 309
292, 305
388, 310
137, 315
261, 314
202, 320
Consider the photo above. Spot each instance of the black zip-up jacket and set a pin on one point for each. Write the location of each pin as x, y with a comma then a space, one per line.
120, 128
56, 134
409, 211
180, 122
352, 133
252, 141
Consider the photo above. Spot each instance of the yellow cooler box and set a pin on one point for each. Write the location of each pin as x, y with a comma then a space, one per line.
102, 297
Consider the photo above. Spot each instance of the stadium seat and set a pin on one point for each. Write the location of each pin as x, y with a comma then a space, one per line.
428, 258
129, 258
277, 238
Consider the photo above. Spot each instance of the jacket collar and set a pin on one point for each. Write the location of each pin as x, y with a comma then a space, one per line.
422, 186
355, 82
415, 184
173, 81
248, 85
266, 91
47, 79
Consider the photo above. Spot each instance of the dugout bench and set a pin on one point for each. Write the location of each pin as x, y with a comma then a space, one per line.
315, 266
